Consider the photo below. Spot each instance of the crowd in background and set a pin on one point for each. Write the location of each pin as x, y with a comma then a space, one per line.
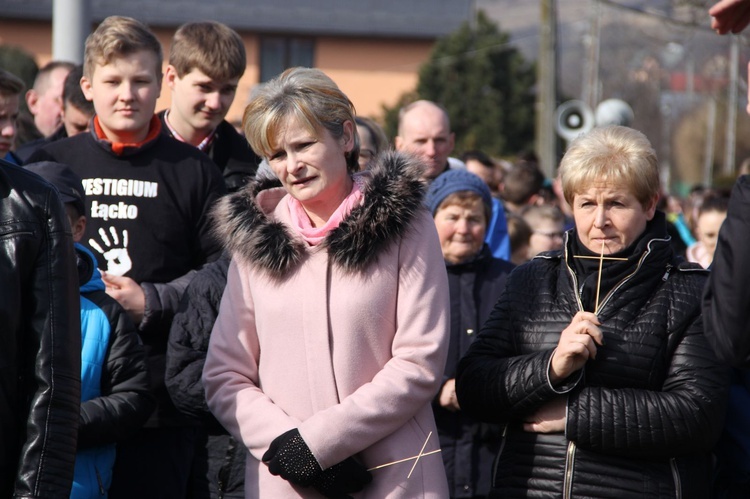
302, 308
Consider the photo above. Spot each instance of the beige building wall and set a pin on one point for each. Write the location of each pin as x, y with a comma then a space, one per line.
372, 72
35, 37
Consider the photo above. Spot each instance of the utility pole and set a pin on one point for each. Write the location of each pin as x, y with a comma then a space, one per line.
731, 130
71, 24
591, 85
546, 99
473, 12
708, 155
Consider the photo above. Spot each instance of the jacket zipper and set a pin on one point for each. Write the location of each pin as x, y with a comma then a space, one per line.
619, 284
577, 292
102, 492
626, 279
569, 464
497, 458
676, 477
571, 452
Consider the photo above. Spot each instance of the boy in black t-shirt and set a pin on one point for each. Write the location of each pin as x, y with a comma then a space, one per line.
148, 198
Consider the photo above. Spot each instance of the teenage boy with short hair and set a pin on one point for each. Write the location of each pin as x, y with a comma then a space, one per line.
148, 198
206, 62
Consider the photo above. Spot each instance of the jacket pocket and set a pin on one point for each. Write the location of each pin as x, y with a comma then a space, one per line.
14, 229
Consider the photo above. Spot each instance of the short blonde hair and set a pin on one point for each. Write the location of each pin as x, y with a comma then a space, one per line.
617, 155
211, 47
116, 37
306, 95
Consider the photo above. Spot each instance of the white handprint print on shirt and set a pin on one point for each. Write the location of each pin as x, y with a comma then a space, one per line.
116, 254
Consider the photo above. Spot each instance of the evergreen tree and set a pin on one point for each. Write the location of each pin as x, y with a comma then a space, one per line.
485, 84
18, 62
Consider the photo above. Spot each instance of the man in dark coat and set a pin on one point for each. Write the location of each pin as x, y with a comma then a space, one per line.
41, 338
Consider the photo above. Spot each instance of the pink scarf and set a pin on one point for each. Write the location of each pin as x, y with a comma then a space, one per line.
315, 235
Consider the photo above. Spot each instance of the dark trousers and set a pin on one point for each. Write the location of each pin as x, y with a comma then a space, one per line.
154, 464
218, 468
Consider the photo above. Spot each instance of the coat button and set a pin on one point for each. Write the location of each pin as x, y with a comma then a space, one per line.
469, 331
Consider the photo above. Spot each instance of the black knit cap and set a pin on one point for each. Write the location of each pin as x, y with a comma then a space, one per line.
69, 185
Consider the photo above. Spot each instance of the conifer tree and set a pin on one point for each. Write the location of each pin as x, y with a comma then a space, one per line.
485, 84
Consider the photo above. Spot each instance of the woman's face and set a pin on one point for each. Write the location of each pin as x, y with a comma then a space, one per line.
707, 229
312, 167
461, 230
366, 148
609, 218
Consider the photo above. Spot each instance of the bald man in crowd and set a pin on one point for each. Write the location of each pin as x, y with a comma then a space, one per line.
424, 130
76, 115
44, 99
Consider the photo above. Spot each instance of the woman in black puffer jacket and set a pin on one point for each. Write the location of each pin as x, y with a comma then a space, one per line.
601, 375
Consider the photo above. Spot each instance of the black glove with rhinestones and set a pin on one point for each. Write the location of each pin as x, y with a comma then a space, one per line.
289, 457
342, 479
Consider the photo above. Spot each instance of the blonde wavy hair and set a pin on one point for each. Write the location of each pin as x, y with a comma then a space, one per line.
615, 155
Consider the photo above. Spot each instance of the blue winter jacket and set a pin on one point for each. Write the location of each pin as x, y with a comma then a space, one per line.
115, 391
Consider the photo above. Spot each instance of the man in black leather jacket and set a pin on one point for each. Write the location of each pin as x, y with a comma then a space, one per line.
41, 339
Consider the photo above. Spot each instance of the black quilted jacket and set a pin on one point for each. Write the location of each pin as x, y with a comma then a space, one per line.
641, 418
219, 469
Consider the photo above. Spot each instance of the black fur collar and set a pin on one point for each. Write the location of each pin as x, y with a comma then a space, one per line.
392, 197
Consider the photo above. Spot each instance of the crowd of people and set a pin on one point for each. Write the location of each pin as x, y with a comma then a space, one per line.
299, 309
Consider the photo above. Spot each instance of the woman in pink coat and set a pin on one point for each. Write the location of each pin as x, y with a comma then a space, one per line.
332, 333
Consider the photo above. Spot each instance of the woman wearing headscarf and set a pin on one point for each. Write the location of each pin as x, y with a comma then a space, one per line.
461, 205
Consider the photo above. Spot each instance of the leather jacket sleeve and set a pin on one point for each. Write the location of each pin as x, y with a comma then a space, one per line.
51, 354
726, 300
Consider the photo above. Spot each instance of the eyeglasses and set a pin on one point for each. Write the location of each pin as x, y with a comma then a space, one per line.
551, 235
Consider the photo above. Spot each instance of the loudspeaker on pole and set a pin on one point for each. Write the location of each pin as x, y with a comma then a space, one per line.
573, 118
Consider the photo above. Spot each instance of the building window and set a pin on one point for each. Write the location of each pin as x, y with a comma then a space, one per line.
278, 53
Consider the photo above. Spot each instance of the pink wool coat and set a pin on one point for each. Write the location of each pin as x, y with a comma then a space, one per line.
345, 341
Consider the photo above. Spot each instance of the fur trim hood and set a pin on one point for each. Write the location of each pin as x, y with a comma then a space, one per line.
393, 194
